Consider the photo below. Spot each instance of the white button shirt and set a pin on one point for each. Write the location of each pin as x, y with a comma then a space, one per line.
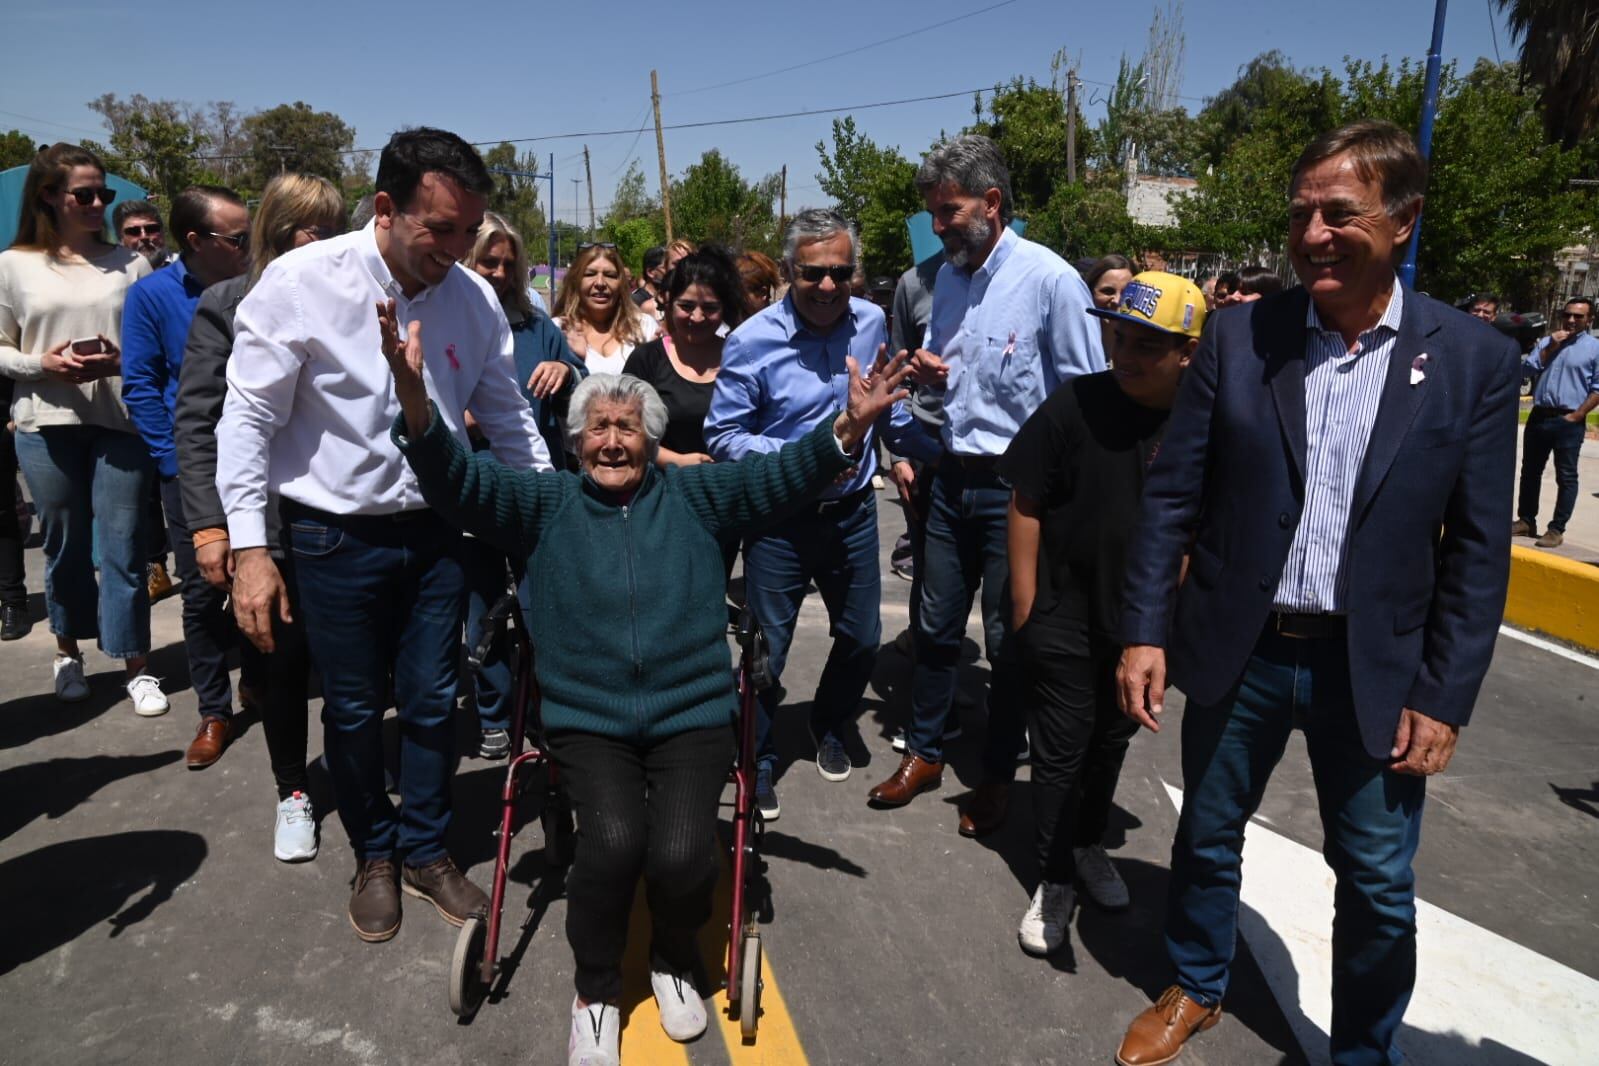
311, 398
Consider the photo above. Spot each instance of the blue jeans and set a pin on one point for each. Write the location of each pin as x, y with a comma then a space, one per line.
486, 583
964, 546
1548, 433
82, 477
1371, 826
382, 599
835, 546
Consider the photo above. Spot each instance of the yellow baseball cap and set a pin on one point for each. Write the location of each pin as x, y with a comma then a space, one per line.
1161, 301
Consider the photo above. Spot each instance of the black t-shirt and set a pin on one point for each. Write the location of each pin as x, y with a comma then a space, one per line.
1082, 457
687, 402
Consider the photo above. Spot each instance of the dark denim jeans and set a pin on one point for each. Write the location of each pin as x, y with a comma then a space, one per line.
382, 599
85, 478
837, 548
13, 574
1546, 434
208, 626
486, 577
1371, 825
964, 546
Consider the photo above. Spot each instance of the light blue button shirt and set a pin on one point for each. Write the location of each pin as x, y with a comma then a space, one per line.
1570, 376
779, 380
1010, 332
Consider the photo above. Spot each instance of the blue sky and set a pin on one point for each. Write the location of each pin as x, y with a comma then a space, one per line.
496, 70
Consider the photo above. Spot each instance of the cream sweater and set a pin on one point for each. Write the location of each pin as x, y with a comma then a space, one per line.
44, 301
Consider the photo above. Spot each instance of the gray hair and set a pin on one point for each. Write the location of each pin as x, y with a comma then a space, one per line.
818, 224
974, 164
616, 388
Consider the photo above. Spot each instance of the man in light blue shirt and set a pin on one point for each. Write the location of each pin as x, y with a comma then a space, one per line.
1567, 389
784, 370
1008, 326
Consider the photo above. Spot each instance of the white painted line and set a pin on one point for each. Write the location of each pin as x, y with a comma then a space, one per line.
1550, 646
1489, 994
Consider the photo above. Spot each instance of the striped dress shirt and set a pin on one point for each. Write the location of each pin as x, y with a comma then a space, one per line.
1342, 390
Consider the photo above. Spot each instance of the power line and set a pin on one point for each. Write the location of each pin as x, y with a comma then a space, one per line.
840, 55
58, 125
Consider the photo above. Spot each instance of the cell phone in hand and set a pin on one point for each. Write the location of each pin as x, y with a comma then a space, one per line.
88, 346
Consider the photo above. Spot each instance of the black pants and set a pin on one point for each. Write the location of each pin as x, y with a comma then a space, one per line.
1079, 739
280, 680
640, 809
208, 627
13, 577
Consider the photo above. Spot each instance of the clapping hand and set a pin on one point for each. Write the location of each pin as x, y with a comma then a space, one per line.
405, 362
871, 394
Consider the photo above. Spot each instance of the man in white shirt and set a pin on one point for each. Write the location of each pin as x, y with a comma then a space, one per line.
374, 571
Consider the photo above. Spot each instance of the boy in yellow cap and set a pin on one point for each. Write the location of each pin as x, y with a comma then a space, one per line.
1076, 470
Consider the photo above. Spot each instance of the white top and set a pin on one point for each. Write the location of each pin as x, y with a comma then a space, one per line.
44, 301
613, 363
311, 399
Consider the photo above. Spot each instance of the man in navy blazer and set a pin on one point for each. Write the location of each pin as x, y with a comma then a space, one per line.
1338, 471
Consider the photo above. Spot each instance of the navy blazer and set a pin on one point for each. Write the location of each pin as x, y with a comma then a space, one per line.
1429, 535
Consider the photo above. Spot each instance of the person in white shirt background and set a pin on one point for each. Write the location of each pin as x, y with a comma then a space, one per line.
595, 311
376, 576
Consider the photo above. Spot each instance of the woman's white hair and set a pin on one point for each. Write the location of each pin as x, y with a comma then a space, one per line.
616, 388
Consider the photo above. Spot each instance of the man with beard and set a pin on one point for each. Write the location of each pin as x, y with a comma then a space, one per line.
1008, 325
139, 229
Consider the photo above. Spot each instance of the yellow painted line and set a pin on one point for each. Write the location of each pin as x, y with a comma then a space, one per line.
644, 1043
777, 1042
1554, 595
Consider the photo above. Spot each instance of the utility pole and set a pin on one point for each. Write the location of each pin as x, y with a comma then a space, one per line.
1429, 109
660, 150
782, 200
577, 216
588, 176
1071, 126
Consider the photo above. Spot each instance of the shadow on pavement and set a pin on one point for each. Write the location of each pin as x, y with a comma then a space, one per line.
1585, 800
30, 718
56, 786
58, 893
1438, 1049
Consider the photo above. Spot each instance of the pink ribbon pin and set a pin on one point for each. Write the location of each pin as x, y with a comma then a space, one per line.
449, 353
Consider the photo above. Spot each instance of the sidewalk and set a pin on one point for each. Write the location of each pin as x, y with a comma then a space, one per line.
1582, 533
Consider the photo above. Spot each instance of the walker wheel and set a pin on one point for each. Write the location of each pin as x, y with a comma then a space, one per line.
467, 989
749, 986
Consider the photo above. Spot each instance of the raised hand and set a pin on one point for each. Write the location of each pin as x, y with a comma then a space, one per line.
928, 369
405, 363
871, 394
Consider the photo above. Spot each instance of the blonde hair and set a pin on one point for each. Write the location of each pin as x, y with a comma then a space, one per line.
290, 203
626, 324
681, 246
38, 228
495, 228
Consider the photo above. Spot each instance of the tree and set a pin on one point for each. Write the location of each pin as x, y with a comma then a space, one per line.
1560, 55
1028, 123
152, 142
876, 189
296, 137
712, 202
516, 197
16, 149
1083, 221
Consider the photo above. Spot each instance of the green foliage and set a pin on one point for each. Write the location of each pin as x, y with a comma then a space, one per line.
296, 137
516, 197
634, 223
1087, 221
152, 142
876, 189
17, 149
1028, 122
713, 202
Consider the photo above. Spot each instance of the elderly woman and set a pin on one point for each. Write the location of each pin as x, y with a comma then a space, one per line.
628, 615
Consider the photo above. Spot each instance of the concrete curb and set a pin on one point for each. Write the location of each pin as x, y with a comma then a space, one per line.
1554, 596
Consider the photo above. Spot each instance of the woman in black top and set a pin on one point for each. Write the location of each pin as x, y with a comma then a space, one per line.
702, 294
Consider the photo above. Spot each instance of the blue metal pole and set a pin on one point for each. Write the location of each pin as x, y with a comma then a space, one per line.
1429, 110
555, 248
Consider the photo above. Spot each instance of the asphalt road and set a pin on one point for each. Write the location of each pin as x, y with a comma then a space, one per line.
143, 918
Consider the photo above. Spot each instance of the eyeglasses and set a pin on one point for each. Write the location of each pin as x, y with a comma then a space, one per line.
152, 229
238, 240
320, 233
87, 195
604, 246
840, 274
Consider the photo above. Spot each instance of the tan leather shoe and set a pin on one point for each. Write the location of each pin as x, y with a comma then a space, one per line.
986, 811
1159, 1033
442, 885
914, 776
157, 582
209, 742
1552, 538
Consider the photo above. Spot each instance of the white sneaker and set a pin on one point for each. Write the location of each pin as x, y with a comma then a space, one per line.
1044, 926
1100, 879
70, 684
596, 1035
678, 1002
294, 839
148, 699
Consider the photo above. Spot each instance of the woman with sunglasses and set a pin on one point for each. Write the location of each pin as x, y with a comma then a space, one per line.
594, 309
295, 210
62, 286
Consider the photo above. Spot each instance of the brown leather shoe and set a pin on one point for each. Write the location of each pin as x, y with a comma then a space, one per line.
986, 811
209, 742
1552, 538
441, 884
157, 582
375, 902
914, 776
1159, 1033
1523, 528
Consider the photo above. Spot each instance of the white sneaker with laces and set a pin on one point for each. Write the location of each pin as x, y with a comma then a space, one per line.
1100, 879
294, 839
596, 1035
1043, 928
71, 687
148, 699
678, 1002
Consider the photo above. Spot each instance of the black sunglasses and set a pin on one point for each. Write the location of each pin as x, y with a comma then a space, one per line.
238, 240
152, 229
87, 194
841, 274
604, 246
